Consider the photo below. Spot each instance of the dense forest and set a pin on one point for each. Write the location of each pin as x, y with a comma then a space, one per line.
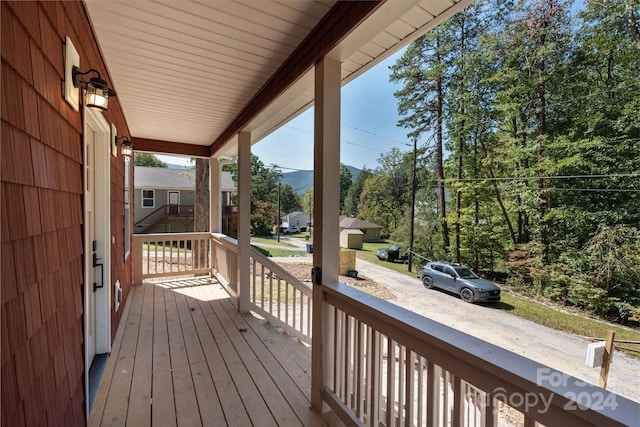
526, 120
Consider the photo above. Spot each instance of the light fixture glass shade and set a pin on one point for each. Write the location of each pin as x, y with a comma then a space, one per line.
126, 149
96, 97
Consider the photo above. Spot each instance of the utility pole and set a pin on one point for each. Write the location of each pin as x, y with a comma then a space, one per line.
278, 219
413, 201
310, 219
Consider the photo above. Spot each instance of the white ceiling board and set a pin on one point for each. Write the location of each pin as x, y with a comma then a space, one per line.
205, 60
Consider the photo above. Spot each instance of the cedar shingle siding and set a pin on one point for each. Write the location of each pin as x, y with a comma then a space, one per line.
42, 215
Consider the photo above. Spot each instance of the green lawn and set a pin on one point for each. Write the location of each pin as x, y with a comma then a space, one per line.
368, 253
277, 252
556, 318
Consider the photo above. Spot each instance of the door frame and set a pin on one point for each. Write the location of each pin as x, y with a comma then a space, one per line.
169, 204
102, 225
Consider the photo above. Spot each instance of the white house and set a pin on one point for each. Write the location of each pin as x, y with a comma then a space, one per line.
297, 218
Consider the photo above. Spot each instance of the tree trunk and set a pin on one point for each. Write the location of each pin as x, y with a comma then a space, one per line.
201, 222
496, 189
476, 207
542, 131
460, 139
439, 155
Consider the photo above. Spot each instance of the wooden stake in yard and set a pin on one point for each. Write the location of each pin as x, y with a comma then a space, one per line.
606, 358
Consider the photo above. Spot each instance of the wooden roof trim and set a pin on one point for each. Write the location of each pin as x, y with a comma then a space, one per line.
170, 147
343, 17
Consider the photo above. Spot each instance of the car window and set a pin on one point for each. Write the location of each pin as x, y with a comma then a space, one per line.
436, 267
465, 273
450, 271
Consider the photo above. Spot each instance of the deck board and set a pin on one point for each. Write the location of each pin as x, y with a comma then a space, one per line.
187, 412
117, 399
139, 410
163, 412
184, 356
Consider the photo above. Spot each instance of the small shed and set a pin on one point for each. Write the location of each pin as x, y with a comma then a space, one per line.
351, 239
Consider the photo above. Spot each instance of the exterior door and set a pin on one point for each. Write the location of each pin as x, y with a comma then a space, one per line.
90, 238
97, 238
174, 201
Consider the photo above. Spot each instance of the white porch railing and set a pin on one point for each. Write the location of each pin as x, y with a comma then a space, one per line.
390, 367
224, 262
170, 254
382, 365
279, 297
273, 293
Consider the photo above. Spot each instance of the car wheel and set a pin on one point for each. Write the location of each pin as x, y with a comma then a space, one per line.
466, 295
427, 281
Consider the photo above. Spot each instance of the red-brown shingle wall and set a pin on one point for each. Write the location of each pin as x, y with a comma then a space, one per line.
42, 353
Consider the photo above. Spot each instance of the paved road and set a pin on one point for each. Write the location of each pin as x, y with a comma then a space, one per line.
559, 350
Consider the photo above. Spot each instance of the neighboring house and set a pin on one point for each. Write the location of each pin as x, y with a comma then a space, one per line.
164, 199
351, 239
297, 218
371, 231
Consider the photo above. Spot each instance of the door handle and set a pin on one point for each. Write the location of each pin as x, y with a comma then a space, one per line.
96, 264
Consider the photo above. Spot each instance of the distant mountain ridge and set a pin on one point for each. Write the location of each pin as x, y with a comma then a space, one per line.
301, 181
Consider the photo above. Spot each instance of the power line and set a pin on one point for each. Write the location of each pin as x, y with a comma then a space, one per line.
525, 178
593, 190
373, 133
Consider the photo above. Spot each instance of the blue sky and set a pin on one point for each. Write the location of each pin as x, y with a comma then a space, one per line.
369, 118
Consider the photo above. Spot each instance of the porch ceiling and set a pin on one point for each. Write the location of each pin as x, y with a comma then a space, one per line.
192, 72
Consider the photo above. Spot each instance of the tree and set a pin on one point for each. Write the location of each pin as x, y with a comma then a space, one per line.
202, 206
422, 69
345, 184
264, 195
386, 193
307, 203
147, 159
352, 198
289, 200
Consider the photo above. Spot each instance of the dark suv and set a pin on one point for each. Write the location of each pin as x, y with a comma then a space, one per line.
459, 279
392, 253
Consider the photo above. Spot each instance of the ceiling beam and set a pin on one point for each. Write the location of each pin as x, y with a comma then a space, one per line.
170, 147
343, 17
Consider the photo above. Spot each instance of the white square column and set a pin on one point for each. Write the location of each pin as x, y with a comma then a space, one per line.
244, 220
326, 212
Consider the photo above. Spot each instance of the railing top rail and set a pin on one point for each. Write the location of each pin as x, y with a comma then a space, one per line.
483, 364
172, 236
227, 241
281, 272
155, 211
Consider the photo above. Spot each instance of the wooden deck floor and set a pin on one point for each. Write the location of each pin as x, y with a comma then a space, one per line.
183, 356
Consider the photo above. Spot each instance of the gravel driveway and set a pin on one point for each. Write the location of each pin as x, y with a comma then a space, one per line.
559, 350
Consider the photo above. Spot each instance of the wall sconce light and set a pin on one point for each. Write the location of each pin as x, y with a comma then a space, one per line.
126, 147
97, 92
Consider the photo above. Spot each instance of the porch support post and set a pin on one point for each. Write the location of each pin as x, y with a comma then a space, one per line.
326, 202
244, 219
215, 194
